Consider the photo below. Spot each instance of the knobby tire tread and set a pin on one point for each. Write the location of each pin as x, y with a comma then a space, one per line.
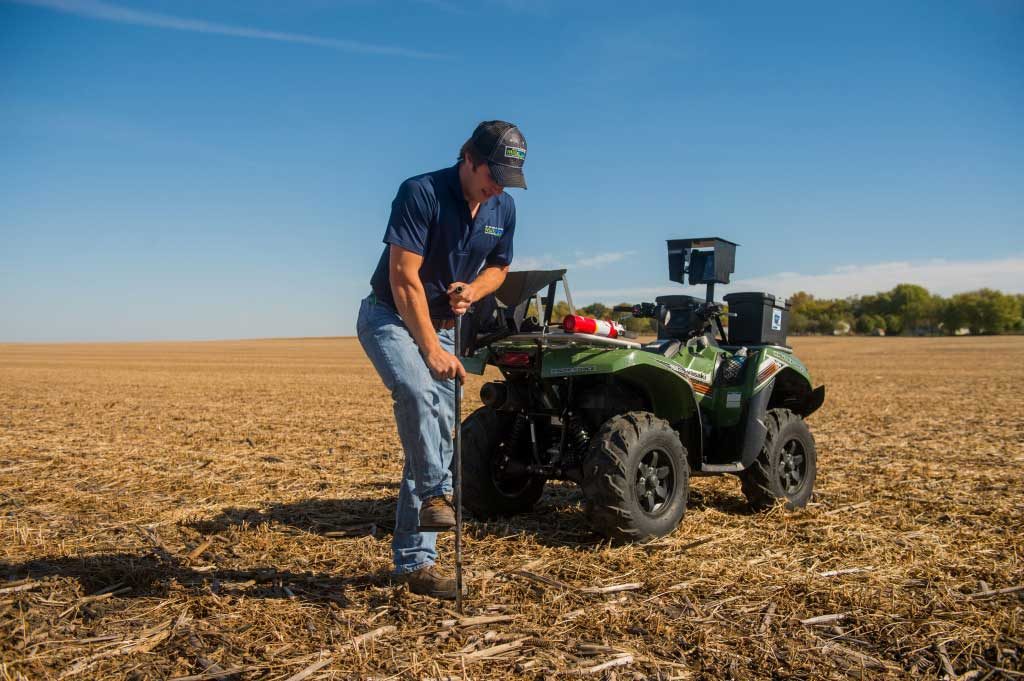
480, 432
756, 481
606, 481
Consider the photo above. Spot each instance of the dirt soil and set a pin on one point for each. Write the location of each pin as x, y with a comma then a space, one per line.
223, 510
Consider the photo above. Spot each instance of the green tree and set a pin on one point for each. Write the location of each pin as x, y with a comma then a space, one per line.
798, 321
595, 310
559, 312
865, 324
632, 324
984, 311
997, 312
918, 309
879, 304
812, 315
954, 313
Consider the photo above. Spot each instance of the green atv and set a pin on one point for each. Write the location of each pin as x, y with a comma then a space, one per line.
631, 422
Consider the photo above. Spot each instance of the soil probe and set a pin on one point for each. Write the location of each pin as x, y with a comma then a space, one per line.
457, 454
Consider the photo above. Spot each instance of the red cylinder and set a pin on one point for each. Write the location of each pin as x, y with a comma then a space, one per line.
597, 327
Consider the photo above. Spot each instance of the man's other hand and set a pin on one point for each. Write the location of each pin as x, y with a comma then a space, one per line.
460, 296
443, 364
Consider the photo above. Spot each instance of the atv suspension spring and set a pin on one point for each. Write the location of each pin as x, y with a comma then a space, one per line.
516, 434
580, 437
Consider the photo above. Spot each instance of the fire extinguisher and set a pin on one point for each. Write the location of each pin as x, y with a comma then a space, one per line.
596, 327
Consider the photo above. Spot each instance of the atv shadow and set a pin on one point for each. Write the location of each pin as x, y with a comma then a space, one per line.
559, 519
731, 503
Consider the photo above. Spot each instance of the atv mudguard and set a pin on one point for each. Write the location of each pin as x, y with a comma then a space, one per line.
776, 367
668, 392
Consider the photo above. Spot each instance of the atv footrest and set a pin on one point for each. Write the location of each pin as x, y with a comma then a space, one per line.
722, 467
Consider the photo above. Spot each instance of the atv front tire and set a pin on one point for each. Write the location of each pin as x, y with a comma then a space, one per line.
636, 478
487, 490
786, 466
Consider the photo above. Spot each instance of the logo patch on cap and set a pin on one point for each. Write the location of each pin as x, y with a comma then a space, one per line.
515, 152
491, 230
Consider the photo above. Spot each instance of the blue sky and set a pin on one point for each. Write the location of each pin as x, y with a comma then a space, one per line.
224, 168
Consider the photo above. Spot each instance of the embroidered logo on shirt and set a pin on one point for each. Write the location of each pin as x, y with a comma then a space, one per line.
515, 152
491, 230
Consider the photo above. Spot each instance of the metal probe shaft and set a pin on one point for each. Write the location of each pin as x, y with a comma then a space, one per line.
457, 455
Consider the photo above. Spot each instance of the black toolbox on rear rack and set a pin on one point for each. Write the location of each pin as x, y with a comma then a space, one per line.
761, 319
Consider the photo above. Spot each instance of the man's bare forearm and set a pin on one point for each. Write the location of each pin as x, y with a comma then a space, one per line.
488, 281
411, 303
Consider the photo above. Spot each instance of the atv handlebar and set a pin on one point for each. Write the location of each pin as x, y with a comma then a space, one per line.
650, 310
640, 310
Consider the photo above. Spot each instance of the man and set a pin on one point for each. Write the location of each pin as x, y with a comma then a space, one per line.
448, 243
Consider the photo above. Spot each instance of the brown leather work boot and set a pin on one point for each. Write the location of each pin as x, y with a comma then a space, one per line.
437, 515
430, 581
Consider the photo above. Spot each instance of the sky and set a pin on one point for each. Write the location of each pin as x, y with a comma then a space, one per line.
203, 169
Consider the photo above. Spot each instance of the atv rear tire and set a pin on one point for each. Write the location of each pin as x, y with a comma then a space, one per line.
787, 465
636, 478
486, 490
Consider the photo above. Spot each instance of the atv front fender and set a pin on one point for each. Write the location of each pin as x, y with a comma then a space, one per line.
670, 397
814, 400
755, 427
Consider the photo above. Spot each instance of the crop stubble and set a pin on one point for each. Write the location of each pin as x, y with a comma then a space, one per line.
195, 509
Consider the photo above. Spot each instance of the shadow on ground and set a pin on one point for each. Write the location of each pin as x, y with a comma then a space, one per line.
557, 520
319, 516
154, 574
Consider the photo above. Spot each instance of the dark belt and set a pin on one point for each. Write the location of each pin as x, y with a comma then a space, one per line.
441, 324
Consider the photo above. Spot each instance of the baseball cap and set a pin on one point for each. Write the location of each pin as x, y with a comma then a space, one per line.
504, 148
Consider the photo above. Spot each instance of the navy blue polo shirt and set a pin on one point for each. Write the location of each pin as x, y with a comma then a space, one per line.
430, 217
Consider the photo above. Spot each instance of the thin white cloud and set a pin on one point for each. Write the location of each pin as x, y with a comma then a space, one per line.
531, 262
601, 259
582, 261
94, 9
938, 276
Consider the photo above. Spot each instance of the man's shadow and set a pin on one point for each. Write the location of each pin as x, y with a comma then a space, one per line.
153, 572
138, 575
330, 517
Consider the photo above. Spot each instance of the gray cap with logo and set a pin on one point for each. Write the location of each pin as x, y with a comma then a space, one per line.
504, 148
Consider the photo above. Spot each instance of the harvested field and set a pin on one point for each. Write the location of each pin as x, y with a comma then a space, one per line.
222, 510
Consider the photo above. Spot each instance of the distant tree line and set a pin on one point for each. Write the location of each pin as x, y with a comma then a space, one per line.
601, 311
907, 309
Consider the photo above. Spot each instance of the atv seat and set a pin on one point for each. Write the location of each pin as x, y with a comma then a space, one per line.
666, 347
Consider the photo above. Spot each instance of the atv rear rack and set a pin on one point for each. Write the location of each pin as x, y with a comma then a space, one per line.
562, 338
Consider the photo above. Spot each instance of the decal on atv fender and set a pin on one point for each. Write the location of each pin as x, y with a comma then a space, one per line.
564, 371
699, 381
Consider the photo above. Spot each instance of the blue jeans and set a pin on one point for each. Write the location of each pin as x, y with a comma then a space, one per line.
424, 411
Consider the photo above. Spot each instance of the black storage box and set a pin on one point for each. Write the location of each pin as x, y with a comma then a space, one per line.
704, 266
761, 319
684, 321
